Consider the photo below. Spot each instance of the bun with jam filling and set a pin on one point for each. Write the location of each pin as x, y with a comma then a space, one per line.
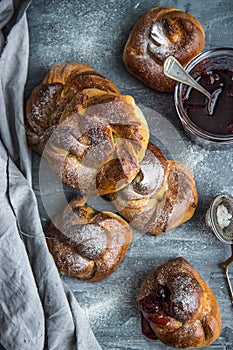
179, 306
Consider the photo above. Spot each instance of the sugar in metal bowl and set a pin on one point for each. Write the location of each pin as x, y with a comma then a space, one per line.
219, 219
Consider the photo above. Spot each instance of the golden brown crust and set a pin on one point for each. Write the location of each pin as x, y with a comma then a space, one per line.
179, 202
61, 72
180, 306
92, 136
87, 244
161, 197
145, 190
162, 32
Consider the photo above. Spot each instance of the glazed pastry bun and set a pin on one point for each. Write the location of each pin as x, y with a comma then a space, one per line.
162, 32
87, 244
92, 136
179, 306
161, 197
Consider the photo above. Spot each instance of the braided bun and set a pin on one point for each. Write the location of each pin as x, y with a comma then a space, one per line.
87, 244
92, 136
162, 32
161, 197
179, 306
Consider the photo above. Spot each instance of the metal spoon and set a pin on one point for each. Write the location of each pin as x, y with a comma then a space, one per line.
174, 70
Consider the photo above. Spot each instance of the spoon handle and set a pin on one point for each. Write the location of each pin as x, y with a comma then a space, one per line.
174, 70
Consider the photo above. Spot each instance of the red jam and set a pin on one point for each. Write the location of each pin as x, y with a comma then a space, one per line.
147, 331
159, 319
195, 103
153, 306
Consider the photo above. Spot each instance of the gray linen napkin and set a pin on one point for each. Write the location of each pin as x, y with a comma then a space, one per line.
37, 311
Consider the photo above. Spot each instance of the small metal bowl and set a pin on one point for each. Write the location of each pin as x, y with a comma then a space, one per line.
219, 58
222, 227
221, 224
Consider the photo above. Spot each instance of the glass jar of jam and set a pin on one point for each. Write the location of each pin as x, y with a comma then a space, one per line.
213, 70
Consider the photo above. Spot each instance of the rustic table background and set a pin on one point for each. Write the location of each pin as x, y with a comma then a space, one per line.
95, 33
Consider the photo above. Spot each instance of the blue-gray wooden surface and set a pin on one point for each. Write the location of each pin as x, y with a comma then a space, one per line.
95, 32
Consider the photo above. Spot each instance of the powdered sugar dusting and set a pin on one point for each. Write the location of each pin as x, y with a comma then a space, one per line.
159, 43
148, 181
193, 156
90, 239
101, 309
186, 296
153, 173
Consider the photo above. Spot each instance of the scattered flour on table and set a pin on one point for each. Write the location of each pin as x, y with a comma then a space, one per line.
194, 156
100, 310
111, 302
